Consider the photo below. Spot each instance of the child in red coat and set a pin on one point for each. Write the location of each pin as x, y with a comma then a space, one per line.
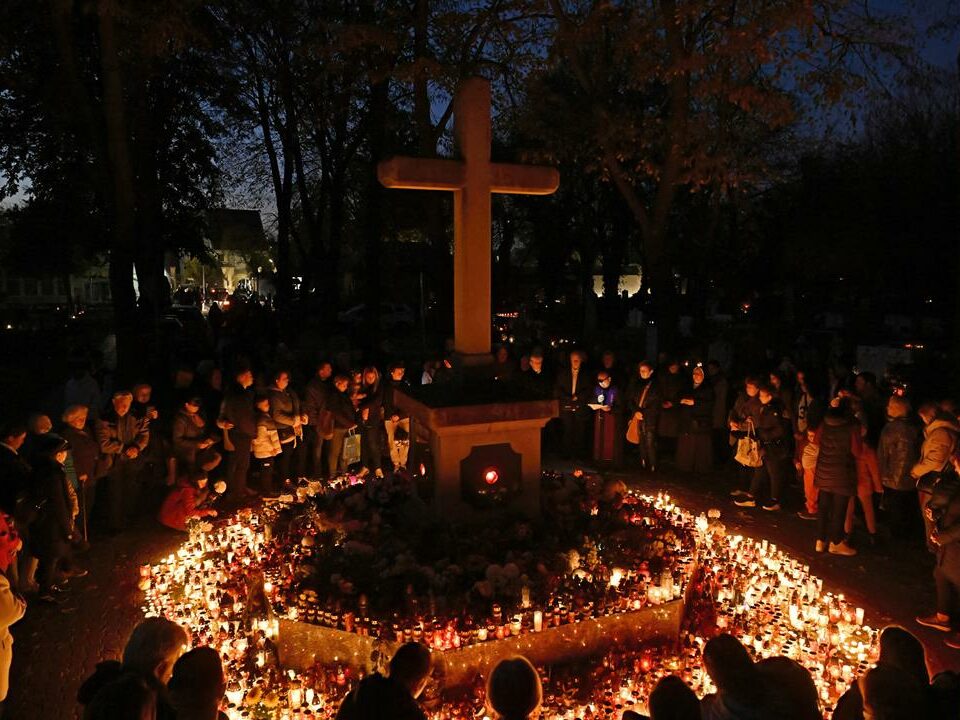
186, 501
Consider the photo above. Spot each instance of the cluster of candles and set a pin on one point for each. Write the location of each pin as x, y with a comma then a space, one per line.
580, 596
214, 586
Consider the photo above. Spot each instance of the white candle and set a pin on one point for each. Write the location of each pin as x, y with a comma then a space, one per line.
537, 621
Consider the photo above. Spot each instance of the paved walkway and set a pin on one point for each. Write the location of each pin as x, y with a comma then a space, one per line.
57, 647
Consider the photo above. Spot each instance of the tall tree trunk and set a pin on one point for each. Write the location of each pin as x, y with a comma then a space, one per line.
330, 272
373, 221
122, 198
439, 272
282, 187
956, 310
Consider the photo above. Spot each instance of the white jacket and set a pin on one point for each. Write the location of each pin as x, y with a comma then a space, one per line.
12, 609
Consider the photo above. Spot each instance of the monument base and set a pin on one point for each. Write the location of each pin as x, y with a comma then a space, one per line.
300, 644
484, 439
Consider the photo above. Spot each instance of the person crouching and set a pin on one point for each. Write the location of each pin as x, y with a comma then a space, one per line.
189, 499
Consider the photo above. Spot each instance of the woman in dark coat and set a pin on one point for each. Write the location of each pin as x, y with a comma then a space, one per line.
52, 530
370, 410
344, 420
836, 476
772, 430
695, 444
85, 456
672, 384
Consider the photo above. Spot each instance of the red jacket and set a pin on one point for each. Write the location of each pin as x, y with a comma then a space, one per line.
181, 505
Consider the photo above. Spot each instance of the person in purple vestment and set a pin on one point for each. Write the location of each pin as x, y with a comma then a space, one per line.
607, 421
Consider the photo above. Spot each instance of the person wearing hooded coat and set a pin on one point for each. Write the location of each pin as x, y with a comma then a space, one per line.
836, 476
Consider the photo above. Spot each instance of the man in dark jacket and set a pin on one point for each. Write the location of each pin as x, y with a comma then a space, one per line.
14, 469
122, 439
395, 696
643, 404
572, 389
534, 379
238, 420
394, 418
319, 421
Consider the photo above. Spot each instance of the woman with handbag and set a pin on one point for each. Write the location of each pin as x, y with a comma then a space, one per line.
344, 420
743, 421
772, 436
286, 412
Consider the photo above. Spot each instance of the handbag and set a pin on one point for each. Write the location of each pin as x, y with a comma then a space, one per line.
748, 449
633, 431
351, 448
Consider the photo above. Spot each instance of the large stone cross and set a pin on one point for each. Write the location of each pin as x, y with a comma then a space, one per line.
471, 179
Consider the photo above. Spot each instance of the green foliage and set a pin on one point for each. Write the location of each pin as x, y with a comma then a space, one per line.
56, 136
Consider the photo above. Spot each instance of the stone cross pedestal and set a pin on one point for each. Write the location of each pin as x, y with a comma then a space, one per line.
490, 431
471, 180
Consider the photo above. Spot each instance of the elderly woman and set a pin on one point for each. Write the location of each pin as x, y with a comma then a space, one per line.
83, 466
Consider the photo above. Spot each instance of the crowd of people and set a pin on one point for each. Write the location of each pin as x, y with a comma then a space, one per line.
158, 677
224, 434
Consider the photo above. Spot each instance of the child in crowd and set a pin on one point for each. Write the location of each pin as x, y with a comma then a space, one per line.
808, 463
266, 445
188, 500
